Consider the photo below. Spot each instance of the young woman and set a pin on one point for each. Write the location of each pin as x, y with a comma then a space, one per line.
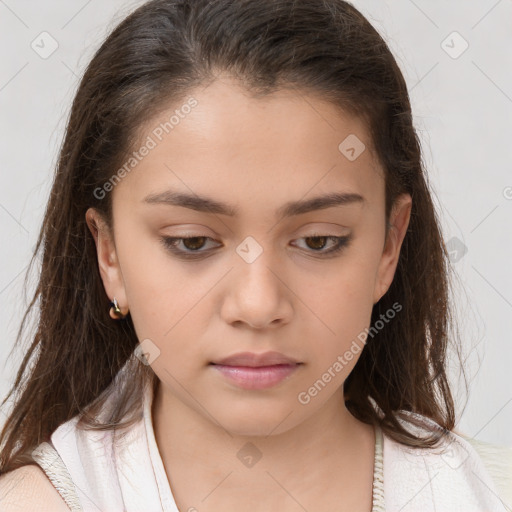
243, 298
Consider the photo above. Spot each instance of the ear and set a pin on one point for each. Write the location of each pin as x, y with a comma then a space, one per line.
108, 262
399, 220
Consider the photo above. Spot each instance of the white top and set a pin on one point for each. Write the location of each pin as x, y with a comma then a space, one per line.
94, 474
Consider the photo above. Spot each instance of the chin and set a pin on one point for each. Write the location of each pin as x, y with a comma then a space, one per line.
257, 423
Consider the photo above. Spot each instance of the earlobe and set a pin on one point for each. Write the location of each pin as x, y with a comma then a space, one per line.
108, 262
399, 221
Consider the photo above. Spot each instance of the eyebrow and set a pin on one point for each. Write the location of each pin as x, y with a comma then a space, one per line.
290, 209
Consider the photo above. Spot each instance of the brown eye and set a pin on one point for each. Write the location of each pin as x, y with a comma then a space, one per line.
194, 243
318, 241
317, 244
187, 247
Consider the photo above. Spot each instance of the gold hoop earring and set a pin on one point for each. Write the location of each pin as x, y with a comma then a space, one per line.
115, 312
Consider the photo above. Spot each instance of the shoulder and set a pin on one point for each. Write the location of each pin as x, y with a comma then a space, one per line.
448, 477
28, 488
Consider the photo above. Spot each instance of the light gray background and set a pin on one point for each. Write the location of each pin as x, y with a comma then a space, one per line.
462, 104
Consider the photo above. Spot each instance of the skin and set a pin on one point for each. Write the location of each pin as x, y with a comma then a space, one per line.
256, 154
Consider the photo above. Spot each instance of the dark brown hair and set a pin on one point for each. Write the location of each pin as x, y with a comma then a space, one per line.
157, 55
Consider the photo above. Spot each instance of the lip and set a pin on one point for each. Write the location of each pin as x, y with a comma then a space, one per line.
256, 377
254, 360
250, 370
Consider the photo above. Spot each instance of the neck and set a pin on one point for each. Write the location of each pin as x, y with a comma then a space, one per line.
198, 454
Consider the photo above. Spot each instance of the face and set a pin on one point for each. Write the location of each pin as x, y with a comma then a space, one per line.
265, 268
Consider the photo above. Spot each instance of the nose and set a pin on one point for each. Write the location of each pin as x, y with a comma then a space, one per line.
258, 295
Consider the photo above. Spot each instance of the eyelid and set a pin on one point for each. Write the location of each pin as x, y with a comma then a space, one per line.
170, 243
341, 243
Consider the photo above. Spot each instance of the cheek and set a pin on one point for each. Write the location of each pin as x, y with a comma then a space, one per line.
153, 286
166, 300
340, 304
345, 312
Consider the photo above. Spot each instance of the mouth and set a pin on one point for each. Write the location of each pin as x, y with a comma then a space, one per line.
256, 375
255, 360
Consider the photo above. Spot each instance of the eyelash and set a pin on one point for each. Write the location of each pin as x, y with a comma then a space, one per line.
170, 244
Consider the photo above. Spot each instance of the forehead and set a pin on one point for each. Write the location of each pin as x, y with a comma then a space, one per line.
255, 150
